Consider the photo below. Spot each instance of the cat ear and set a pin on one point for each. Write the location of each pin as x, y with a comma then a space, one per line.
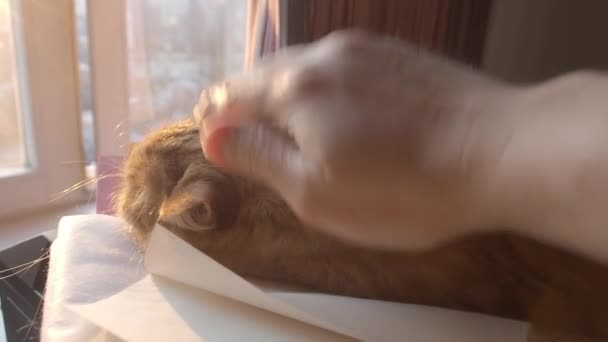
189, 206
203, 199
176, 203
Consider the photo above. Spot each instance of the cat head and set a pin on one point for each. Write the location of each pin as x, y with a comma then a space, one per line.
167, 180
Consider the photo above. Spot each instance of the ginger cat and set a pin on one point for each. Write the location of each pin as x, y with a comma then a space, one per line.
249, 229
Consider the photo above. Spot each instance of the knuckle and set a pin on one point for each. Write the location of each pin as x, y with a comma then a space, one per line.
348, 42
311, 80
302, 81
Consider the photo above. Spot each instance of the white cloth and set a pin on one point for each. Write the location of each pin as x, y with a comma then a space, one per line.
96, 271
91, 259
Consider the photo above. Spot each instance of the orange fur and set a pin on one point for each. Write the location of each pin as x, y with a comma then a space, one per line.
249, 229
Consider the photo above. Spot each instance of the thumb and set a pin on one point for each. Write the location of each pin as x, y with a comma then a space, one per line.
259, 151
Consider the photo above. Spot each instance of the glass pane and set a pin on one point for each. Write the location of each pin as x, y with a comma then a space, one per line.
84, 68
176, 49
13, 157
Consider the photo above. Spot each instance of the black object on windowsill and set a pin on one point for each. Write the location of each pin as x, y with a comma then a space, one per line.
23, 272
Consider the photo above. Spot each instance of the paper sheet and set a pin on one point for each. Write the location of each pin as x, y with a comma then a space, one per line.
157, 309
209, 302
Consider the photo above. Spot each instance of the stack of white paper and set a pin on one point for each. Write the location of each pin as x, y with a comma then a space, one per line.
190, 297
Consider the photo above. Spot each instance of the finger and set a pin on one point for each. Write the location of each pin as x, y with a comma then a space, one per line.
261, 152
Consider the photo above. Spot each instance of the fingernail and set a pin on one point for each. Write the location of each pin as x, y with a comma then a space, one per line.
211, 100
217, 144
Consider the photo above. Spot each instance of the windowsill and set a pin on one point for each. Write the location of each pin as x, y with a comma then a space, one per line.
18, 230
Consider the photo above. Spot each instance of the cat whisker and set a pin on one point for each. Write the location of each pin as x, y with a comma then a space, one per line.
19, 269
82, 184
116, 164
33, 322
75, 162
119, 125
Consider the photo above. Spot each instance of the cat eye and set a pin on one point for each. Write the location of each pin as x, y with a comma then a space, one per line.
200, 216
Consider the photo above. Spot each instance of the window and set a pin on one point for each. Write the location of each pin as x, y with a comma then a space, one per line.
40, 146
174, 50
148, 61
13, 155
80, 79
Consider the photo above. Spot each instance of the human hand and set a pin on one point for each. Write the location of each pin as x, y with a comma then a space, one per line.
366, 138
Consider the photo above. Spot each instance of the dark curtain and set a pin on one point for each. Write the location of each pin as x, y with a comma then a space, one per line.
455, 28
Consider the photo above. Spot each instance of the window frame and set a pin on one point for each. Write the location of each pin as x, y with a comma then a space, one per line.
107, 26
49, 104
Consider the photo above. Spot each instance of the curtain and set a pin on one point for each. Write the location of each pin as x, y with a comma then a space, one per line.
455, 28
265, 29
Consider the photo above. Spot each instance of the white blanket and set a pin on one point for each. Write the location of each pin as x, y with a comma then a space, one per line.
91, 259
97, 288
